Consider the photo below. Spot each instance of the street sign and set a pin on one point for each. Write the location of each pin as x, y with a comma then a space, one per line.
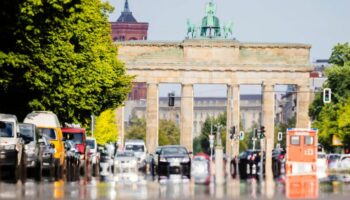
241, 135
279, 136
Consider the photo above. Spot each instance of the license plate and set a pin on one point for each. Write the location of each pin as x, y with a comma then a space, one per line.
175, 163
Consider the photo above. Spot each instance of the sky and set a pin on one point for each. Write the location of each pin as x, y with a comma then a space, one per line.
320, 23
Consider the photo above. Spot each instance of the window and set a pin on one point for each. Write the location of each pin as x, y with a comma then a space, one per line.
294, 140
6, 129
308, 140
47, 132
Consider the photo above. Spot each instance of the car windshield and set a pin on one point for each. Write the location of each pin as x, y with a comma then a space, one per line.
27, 130
125, 154
173, 150
334, 157
77, 138
47, 132
135, 147
321, 155
90, 144
6, 129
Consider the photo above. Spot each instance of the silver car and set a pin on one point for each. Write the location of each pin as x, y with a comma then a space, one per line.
125, 161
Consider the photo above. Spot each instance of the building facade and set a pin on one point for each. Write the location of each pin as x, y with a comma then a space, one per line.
204, 107
127, 28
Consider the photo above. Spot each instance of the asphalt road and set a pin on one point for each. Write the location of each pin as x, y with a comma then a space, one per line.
139, 186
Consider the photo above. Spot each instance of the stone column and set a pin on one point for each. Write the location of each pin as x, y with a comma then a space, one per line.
120, 125
229, 121
186, 135
236, 116
268, 92
303, 102
152, 117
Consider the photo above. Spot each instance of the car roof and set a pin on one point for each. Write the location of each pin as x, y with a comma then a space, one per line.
135, 141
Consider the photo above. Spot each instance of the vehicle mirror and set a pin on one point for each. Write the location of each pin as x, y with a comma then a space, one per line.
2, 125
190, 152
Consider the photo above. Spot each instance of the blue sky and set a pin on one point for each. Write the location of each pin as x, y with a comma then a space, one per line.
320, 23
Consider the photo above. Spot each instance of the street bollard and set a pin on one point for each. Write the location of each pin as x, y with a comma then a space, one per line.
219, 165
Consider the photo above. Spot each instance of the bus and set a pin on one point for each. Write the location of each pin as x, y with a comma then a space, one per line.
301, 163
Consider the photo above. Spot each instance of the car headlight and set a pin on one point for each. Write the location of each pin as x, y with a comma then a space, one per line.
162, 160
10, 147
186, 159
116, 162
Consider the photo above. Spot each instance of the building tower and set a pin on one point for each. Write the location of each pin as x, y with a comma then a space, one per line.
127, 28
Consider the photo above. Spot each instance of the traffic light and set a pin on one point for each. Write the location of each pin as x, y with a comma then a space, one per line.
171, 101
262, 132
232, 132
327, 95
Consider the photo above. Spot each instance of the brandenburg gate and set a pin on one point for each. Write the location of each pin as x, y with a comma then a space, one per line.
214, 60
218, 61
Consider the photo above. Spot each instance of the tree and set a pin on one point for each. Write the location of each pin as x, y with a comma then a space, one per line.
169, 133
332, 119
58, 55
283, 128
137, 128
202, 141
106, 127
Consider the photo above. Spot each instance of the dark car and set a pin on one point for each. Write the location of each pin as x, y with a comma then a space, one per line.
278, 161
72, 160
248, 163
153, 161
48, 161
32, 149
174, 160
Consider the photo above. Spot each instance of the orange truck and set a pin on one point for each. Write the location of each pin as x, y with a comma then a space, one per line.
301, 163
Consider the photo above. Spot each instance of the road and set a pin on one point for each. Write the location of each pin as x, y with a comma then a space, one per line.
139, 186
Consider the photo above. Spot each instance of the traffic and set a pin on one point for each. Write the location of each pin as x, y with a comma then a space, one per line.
39, 149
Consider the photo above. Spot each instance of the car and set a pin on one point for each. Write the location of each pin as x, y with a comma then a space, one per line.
344, 162
278, 161
32, 148
333, 161
139, 148
76, 134
48, 159
174, 159
48, 124
200, 168
153, 161
125, 161
322, 166
248, 162
93, 155
72, 160
106, 161
12, 154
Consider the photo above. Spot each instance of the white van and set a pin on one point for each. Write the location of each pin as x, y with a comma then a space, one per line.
139, 148
11, 146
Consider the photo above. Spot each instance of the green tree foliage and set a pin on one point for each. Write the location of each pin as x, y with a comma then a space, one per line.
58, 55
106, 127
169, 133
283, 128
136, 128
333, 119
201, 143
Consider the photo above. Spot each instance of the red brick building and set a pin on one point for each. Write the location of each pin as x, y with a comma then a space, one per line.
127, 28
